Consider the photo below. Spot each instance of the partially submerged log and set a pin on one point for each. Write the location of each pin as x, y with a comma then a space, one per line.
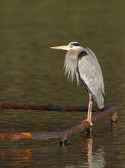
45, 107
63, 136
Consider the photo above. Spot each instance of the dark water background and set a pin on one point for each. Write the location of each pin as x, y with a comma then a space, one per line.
31, 72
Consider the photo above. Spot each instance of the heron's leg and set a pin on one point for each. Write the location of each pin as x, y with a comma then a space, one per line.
89, 115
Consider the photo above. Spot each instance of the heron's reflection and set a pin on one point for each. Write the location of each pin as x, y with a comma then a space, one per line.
89, 142
95, 158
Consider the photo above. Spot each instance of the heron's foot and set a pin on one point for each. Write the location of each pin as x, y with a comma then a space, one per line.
88, 121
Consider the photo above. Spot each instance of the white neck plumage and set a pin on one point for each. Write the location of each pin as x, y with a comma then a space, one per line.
70, 65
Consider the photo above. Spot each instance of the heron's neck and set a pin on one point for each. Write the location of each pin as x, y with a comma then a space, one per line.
71, 65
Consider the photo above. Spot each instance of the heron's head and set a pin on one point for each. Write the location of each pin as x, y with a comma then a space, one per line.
73, 49
72, 46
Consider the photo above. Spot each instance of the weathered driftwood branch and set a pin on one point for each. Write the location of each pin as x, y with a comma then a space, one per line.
15, 136
63, 135
84, 126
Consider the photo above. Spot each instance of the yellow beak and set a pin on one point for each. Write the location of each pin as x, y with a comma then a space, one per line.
65, 47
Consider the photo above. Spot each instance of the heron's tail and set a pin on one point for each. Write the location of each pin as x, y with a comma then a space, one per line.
100, 99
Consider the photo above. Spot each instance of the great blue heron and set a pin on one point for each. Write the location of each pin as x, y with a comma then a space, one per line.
82, 64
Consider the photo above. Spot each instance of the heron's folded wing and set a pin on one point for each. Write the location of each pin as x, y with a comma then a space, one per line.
90, 73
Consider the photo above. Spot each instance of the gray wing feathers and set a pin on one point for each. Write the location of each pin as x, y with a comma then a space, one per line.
90, 72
